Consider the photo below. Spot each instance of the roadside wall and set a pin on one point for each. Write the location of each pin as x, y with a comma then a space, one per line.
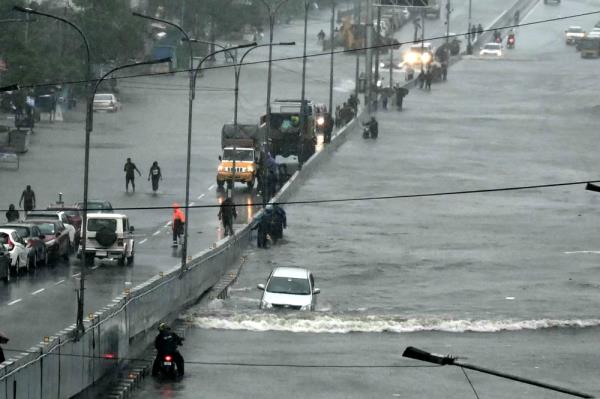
63, 366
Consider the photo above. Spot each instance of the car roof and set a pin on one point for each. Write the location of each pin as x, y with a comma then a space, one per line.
292, 272
574, 27
14, 225
42, 220
493, 44
7, 230
100, 215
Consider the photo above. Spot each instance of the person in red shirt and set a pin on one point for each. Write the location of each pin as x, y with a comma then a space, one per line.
178, 222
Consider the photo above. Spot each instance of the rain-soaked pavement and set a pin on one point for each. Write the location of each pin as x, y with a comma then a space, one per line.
507, 279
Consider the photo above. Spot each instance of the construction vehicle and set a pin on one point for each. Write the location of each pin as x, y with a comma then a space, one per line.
241, 146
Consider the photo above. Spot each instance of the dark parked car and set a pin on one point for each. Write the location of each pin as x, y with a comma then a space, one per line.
73, 218
4, 263
55, 236
36, 249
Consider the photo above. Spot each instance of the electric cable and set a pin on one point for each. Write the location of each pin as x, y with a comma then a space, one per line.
232, 364
470, 383
328, 53
360, 199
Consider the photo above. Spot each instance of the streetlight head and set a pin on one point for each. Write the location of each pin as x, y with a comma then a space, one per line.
244, 46
418, 354
592, 187
287, 43
26, 10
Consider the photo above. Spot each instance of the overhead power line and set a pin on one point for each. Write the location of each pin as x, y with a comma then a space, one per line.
113, 357
383, 46
359, 199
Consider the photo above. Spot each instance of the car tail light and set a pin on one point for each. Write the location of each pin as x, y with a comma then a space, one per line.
120, 242
168, 358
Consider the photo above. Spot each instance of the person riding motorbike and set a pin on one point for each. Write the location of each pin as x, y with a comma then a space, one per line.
497, 36
166, 343
373, 127
510, 41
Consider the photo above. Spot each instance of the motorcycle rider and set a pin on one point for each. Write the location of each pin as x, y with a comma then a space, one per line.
373, 126
497, 36
166, 343
510, 41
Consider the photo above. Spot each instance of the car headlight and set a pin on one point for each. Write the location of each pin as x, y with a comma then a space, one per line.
320, 121
305, 307
250, 168
481, 52
426, 57
381, 65
265, 305
220, 168
411, 58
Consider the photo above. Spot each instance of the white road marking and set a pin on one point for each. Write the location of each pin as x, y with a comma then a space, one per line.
76, 275
143, 241
169, 223
38, 291
192, 203
59, 282
156, 233
581, 252
95, 267
15, 301
200, 196
211, 187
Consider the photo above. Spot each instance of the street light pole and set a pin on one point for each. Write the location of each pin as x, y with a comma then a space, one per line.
357, 67
88, 130
238, 70
448, 12
189, 133
469, 44
303, 91
272, 13
331, 33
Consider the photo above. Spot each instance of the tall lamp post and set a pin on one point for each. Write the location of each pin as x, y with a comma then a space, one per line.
418, 354
88, 130
331, 33
272, 13
189, 132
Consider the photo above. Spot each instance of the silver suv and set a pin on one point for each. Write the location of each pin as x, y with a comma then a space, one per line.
109, 236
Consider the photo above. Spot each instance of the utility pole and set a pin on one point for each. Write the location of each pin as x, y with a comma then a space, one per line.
331, 34
378, 49
422, 35
448, 12
469, 44
303, 94
369, 56
356, 74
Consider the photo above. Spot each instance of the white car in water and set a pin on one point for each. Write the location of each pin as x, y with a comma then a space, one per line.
290, 288
106, 102
491, 49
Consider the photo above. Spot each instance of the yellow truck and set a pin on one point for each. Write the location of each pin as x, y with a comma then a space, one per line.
238, 163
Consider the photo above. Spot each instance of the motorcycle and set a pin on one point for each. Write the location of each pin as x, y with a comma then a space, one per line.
510, 43
366, 132
167, 367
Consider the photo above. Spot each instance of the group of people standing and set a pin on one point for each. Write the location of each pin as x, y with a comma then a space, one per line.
130, 168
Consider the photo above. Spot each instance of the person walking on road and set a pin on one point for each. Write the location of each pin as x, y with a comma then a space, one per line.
401, 92
428, 79
155, 175
178, 222
27, 199
12, 215
227, 214
129, 170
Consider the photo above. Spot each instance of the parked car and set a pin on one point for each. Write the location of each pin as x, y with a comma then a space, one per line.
55, 237
16, 248
106, 102
289, 288
95, 206
60, 216
73, 218
4, 263
109, 236
36, 249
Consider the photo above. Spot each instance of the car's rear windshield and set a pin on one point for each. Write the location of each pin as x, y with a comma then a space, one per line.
40, 215
97, 224
575, 30
98, 206
46, 228
103, 97
492, 46
287, 285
